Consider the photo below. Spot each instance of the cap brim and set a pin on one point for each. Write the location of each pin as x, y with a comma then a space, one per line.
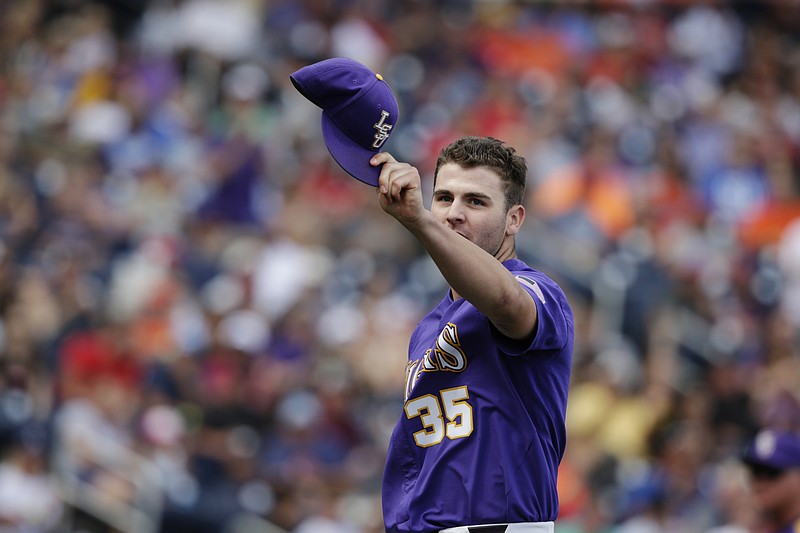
349, 155
761, 463
751, 459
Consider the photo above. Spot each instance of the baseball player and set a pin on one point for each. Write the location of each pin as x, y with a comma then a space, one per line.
773, 459
481, 436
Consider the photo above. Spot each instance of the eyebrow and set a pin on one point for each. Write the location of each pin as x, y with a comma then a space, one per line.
467, 194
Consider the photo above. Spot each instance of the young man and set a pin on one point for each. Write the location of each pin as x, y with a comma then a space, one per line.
773, 459
478, 445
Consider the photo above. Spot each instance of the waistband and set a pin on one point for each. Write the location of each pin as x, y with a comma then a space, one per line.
523, 527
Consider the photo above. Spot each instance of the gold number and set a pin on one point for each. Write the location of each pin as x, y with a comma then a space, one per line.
429, 409
458, 412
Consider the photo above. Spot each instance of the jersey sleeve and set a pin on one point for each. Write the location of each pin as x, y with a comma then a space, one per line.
554, 324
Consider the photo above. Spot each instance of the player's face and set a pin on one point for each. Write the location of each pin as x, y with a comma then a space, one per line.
472, 203
775, 492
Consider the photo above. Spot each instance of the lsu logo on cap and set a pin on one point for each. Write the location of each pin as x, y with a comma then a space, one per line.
359, 111
382, 130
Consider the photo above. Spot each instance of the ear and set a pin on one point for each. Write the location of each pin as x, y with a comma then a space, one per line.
514, 219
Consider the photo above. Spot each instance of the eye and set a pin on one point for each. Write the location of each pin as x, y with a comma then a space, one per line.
444, 198
476, 201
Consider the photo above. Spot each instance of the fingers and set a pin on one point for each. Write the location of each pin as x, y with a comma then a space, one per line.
384, 180
382, 157
394, 179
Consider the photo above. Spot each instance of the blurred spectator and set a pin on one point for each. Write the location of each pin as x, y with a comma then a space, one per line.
29, 496
773, 461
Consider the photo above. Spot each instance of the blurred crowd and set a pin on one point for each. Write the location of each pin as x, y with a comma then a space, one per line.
203, 320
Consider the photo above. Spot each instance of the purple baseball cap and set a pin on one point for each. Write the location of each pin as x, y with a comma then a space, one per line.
359, 111
773, 449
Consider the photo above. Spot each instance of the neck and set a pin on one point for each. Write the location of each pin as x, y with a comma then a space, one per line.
507, 250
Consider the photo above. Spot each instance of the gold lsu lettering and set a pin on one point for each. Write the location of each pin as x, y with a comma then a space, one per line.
446, 356
382, 130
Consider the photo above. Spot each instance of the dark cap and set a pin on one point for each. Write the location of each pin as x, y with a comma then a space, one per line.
773, 449
359, 111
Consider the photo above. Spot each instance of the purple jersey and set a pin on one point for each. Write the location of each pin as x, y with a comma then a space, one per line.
793, 527
482, 432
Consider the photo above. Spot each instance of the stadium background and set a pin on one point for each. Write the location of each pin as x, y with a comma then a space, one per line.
204, 322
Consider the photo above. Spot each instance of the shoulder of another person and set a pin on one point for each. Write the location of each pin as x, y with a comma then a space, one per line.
792, 527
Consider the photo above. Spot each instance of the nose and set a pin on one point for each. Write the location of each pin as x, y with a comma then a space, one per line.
455, 214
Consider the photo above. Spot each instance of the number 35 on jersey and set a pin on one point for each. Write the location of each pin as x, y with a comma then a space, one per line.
451, 405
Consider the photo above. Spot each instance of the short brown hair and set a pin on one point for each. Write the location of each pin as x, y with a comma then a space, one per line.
473, 152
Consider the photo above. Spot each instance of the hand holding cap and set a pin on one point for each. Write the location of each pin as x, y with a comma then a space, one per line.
359, 112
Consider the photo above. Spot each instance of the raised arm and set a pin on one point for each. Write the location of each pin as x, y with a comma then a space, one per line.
467, 238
